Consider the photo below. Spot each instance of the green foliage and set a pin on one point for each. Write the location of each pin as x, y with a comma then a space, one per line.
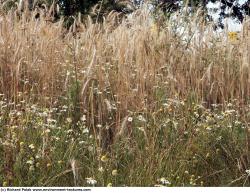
181, 142
72, 7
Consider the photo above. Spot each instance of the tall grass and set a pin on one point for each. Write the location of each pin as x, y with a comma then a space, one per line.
140, 103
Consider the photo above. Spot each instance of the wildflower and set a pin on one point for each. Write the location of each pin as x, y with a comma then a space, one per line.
141, 118
60, 162
220, 117
196, 115
248, 172
81, 142
31, 168
31, 162
163, 181
98, 125
130, 119
69, 120
237, 122
166, 105
21, 143
86, 130
208, 128
83, 118
191, 182
114, 173
91, 181
52, 121
104, 158
47, 131
5, 184
57, 138
141, 129
154, 28
109, 185
100, 169
233, 36
48, 165
70, 131
32, 146
19, 113
45, 114
186, 172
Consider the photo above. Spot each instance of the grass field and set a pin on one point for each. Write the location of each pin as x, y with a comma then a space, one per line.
140, 103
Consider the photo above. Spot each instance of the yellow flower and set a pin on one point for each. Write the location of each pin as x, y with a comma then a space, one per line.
154, 28
233, 36
60, 162
114, 173
5, 184
104, 158
109, 185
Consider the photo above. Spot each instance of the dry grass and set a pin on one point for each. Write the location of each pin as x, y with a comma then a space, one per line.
123, 84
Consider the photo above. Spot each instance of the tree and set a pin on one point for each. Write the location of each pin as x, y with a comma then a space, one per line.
237, 10
96, 8
72, 7
68, 8
227, 8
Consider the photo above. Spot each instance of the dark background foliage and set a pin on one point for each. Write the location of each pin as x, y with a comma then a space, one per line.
227, 8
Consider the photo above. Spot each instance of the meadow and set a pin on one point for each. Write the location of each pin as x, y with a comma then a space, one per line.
139, 103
